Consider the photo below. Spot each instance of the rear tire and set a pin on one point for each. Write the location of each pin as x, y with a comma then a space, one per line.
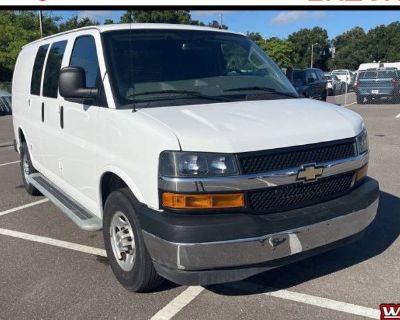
360, 100
123, 239
27, 169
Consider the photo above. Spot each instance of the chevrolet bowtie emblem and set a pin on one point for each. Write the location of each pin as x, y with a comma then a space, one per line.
309, 173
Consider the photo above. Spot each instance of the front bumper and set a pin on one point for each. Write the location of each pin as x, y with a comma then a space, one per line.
297, 234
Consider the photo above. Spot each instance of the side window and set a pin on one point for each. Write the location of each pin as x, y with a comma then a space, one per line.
84, 55
52, 71
308, 75
37, 69
312, 74
320, 75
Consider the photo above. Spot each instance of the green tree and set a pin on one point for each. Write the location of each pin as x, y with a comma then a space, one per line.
257, 38
350, 50
108, 21
215, 24
281, 51
384, 43
302, 41
76, 22
197, 23
16, 29
157, 16
355, 46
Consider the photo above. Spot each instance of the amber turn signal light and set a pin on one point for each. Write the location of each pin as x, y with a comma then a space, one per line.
202, 201
361, 173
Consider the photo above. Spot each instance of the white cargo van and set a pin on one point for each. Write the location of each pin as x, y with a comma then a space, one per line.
190, 148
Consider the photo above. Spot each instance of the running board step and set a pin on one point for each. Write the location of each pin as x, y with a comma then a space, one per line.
84, 219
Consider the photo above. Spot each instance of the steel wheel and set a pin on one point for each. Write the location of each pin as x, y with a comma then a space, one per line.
122, 241
25, 165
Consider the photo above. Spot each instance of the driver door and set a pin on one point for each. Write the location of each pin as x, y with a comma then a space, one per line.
79, 129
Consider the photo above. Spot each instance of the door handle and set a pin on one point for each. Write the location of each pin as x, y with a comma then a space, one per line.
62, 117
42, 111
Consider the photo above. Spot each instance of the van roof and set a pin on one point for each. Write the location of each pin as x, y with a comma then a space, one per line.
133, 26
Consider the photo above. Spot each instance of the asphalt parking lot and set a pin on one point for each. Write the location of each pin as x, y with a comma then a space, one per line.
50, 269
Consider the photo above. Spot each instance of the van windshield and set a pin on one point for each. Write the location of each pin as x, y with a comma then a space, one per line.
150, 68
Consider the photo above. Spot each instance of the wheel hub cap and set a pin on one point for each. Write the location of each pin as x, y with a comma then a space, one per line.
122, 241
25, 164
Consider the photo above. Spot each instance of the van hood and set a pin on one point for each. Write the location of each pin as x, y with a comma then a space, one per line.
242, 126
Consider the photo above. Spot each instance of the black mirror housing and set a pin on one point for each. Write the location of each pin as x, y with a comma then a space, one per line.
72, 84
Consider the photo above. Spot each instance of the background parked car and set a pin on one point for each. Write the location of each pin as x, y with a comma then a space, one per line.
333, 84
344, 75
310, 83
376, 84
5, 103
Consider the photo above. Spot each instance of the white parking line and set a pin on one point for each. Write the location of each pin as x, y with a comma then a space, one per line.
53, 242
2, 213
310, 300
176, 304
7, 163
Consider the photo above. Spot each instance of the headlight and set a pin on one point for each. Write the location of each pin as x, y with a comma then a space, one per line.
197, 164
362, 142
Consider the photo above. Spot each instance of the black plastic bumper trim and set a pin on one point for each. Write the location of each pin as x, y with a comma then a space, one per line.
194, 228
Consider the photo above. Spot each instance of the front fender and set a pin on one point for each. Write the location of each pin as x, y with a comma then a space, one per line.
125, 177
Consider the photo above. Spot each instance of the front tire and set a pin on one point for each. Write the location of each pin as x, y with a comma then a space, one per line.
123, 239
27, 169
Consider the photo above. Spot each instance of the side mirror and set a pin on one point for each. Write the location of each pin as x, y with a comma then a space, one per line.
72, 84
310, 80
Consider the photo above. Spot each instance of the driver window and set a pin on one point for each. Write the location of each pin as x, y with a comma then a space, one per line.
84, 55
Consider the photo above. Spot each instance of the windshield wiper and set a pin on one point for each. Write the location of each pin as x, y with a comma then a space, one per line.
186, 93
265, 89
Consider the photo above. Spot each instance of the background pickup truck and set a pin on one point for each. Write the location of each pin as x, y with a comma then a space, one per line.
376, 84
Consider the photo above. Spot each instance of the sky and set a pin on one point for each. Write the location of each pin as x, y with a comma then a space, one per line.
272, 23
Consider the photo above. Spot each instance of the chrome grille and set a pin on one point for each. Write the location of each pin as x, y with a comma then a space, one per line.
299, 194
283, 158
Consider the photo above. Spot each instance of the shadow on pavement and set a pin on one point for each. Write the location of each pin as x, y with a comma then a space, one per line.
379, 236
